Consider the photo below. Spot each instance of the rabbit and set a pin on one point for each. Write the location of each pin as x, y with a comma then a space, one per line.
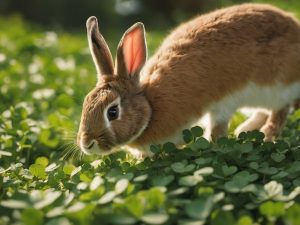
246, 55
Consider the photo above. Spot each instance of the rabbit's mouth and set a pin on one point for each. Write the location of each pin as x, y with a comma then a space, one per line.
93, 147
90, 148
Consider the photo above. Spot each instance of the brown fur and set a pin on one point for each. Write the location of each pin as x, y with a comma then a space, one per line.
101, 53
107, 90
214, 55
198, 64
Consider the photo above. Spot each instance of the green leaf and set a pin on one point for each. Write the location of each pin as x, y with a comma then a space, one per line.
197, 131
204, 171
56, 211
141, 178
169, 147
272, 210
5, 153
64, 101
81, 212
121, 186
68, 169
190, 180
155, 218
254, 165
246, 147
59, 221
221, 217
107, 197
234, 186
229, 170
14, 204
239, 181
295, 182
268, 170
155, 148
52, 167
201, 143
245, 176
292, 215
96, 182
200, 208
31, 216
279, 175
46, 138
75, 171
38, 170
178, 191
155, 198
76, 207
277, 157
42, 161
48, 198
191, 222
187, 136
203, 161
135, 206
120, 219
182, 167
245, 220
162, 180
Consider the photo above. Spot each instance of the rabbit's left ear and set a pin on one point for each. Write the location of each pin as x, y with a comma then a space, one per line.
99, 49
132, 51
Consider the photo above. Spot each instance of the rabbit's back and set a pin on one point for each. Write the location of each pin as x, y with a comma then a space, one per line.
216, 55
239, 40
222, 51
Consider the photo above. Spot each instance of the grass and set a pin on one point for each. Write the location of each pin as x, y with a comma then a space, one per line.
44, 180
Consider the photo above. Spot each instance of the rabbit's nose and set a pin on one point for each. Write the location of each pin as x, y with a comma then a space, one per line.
86, 142
89, 145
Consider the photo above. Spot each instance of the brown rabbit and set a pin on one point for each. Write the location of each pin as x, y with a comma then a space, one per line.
245, 55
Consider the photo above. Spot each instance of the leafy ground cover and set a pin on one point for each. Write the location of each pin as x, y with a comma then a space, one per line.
44, 180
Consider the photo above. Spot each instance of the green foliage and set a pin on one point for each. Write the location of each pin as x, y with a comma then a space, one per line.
43, 79
237, 181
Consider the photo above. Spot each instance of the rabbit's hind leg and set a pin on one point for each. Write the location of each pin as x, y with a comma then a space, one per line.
275, 123
254, 122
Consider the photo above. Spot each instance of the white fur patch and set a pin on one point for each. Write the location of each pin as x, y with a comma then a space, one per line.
254, 96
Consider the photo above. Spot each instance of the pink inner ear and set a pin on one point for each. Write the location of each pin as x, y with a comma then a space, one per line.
134, 50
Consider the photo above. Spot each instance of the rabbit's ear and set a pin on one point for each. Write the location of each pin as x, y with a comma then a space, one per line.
98, 47
132, 51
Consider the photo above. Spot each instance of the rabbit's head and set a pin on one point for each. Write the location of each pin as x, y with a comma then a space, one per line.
116, 111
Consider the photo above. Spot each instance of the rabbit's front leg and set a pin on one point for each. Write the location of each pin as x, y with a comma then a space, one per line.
219, 130
218, 125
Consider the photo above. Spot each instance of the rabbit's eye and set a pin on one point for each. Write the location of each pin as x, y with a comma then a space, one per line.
113, 113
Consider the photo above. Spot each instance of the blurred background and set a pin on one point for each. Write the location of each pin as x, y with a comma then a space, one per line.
115, 13
46, 68
73, 13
